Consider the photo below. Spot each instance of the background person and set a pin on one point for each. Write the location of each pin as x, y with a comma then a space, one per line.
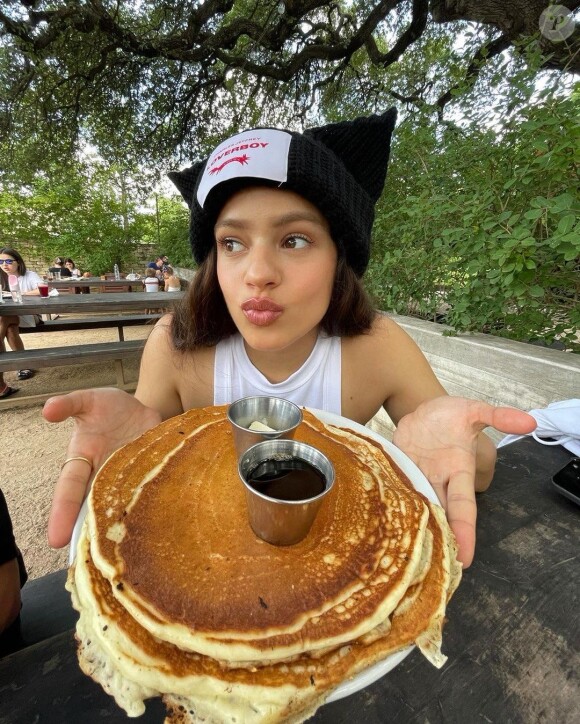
277, 308
12, 263
151, 282
71, 266
172, 283
58, 266
77, 274
157, 267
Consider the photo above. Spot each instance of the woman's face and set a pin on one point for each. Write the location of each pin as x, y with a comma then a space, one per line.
69, 265
276, 263
8, 264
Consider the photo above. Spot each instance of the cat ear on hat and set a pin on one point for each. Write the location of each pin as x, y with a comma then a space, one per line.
186, 181
363, 145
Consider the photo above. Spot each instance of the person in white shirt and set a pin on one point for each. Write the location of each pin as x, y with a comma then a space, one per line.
12, 263
151, 282
172, 283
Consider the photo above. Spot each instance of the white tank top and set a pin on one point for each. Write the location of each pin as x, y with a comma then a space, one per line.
316, 384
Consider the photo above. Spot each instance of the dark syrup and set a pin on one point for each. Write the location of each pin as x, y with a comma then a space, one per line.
293, 479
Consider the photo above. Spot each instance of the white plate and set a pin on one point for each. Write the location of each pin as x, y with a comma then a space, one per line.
419, 481
77, 532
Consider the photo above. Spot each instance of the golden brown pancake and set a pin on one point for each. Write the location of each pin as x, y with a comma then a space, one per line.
133, 665
220, 581
167, 541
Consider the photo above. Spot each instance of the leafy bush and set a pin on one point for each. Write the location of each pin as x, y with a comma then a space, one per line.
168, 229
483, 224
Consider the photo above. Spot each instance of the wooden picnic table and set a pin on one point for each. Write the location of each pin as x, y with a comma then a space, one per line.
83, 303
512, 635
72, 354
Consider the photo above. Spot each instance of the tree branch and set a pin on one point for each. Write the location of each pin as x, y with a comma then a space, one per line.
483, 54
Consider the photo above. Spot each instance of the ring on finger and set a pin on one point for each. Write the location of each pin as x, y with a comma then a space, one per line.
76, 457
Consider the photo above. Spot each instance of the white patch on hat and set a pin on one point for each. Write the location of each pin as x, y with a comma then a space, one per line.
259, 153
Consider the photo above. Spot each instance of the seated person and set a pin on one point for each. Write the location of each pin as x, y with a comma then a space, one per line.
158, 266
58, 266
72, 267
151, 282
12, 577
172, 283
76, 274
12, 263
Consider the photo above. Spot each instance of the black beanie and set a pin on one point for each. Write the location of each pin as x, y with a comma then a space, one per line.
340, 168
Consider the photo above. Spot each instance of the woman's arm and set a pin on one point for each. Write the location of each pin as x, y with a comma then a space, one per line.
105, 419
443, 435
413, 382
160, 371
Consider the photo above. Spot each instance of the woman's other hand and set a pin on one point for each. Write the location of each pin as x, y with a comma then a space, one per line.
104, 420
444, 438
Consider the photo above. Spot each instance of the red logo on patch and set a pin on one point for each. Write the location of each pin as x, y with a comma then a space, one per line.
242, 160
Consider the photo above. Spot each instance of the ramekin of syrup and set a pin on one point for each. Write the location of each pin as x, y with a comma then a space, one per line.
285, 482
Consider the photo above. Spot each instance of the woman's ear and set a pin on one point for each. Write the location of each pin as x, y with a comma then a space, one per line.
186, 181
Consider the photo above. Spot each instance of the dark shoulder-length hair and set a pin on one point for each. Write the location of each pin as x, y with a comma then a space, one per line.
21, 265
202, 319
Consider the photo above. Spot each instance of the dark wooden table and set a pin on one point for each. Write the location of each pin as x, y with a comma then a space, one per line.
512, 635
84, 303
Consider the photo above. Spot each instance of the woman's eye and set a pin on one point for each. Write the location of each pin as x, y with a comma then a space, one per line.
231, 245
296, 242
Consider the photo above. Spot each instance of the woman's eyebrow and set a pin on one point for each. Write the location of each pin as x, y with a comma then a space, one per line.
232, 223
299, 216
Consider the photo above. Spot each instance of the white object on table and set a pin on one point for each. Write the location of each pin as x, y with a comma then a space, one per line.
560, 422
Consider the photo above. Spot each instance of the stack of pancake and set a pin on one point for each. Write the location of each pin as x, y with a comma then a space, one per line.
178, 597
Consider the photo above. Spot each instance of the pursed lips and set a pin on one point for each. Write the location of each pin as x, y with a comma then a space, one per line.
261, 312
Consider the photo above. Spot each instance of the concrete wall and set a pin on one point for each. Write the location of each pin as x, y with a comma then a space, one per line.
184, 274
499, 371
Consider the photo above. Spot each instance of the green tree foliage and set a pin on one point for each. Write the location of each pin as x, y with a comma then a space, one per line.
160, 76
480, 209
88, 215
483, 222
167, 227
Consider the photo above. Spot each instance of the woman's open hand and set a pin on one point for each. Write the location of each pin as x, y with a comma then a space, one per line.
441, 437
104, 420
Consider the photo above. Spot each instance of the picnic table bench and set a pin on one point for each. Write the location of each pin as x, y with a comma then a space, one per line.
134, 308
74, 355
63, 324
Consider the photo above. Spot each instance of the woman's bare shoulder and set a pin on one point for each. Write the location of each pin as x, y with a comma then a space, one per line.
385, 337
396, 374
183, 378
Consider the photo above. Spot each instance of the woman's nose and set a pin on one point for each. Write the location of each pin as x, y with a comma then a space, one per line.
263, 267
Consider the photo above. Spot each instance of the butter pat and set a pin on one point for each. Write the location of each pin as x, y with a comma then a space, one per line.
260, 427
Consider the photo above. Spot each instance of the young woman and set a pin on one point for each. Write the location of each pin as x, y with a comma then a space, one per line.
58, 266
71, 266
76, 274
12, 263
280, 226
172, 283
